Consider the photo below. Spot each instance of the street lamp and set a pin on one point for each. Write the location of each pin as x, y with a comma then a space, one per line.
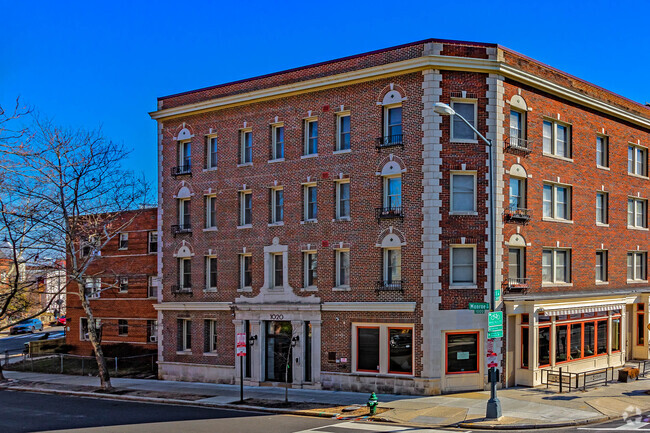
494, 405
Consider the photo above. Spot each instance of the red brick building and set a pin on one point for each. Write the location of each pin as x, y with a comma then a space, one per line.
122, 286
329, 209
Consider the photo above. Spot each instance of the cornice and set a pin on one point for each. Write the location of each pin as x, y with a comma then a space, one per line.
193, 306
397, 307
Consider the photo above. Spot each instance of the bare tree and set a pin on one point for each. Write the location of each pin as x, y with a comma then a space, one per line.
70, 188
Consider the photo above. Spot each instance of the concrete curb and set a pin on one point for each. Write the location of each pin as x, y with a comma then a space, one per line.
478, 426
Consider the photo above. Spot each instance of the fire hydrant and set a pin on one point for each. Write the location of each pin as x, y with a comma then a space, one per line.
372, 403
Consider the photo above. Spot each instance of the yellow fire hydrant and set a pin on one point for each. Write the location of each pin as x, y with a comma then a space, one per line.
372, 403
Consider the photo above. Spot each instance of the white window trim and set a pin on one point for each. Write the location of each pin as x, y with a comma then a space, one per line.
152, 232
524, 121
180, 158
606, 257
208, 213
554, 217
305, 270
605, 139
338, 200
276, 285
274, 217
95, 285
555, 282
242, 209
181, 273
453, 285
242, 147
386, 109
635, 147
385, 192
186, 349
124, 236
338, 251
384, 349
305, 201
635, 254
120, 281
208, 270
605, 209
451, 190
339, 116
554, 123
151, 283
451, 120
645, 213
385, 261
274, 157
208, 153
213, 334
181, 214
242, 287
305, 146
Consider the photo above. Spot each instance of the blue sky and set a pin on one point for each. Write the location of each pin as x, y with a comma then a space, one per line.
89, 64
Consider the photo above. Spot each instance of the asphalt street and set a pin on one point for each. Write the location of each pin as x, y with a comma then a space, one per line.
16, 343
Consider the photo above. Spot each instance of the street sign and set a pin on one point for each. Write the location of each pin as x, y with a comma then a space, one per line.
497, 294
240, 349
479, 307
495, 324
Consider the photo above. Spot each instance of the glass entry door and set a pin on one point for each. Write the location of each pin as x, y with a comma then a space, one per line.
278, 351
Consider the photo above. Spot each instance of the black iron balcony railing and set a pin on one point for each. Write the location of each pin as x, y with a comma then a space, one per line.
182, 229
389, 212
517, 285
182, 170
518, 145
517, 215
390, 141
389, 286
184, 289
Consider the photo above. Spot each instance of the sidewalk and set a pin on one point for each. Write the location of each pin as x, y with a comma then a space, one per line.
522, 407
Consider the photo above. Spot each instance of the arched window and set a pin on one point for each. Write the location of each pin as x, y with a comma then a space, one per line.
517, 210
392, 116
391, 247
517, 281
391, 175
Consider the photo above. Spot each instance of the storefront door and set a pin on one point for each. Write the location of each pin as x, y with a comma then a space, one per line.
278, 352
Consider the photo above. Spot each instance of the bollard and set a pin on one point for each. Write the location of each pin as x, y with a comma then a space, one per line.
560, 379
116, 365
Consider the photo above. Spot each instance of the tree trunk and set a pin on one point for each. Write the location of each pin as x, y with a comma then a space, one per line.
102, 368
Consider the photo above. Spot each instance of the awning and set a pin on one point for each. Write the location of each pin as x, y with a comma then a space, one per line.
564, 310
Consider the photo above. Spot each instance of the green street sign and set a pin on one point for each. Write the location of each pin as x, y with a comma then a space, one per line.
495, 324
497, 294
476, 306
495, 334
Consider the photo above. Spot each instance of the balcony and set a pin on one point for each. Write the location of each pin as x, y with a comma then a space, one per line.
389, 286
517, 145
185, 289
182, 170
390, 141
389, 212
185, 228
517, 215
516, 285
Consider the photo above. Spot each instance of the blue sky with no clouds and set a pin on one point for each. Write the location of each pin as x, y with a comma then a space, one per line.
89, 64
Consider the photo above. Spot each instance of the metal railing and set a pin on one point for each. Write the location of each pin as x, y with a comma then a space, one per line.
644, 366
573, 381
64, 363
389, 286
390, 141
389, 212
185, 289
516, 214
517, 145
181, 170
517, 285
182, 228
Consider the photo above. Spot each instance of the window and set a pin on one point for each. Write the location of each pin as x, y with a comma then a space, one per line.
277, 142
310, 269
640, 325
524, 346
311, 137
311, 204
211, 212
342, 268
185, 156
245, 271
463, 265
343, 132
636, 266
277, 276
517, 193
84, 330
602, 151
122, 327
393, 124
462, 353
183, 335
393, 193
601, 266
211, 273
184, 213
602, 205
392, 265
460, 131
577, 338
93, 287
637, 160
185, 273
557, 139
153, 242
211, 160
517, 128
557, 202
342, 200
90, 246
400, 350
124, 241
516, 264
245, 208
123, 284
152, 331
556, 266
463, 193
544, 345
277, 205
636, 213
367, 349
210, 336
151, 287
246, 147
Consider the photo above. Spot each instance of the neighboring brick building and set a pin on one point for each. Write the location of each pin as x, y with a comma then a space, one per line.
122, 285
329, 208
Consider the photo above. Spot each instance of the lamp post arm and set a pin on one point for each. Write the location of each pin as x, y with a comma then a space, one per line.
488, 142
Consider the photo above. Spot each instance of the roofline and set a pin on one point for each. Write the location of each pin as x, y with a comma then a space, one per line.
327, 62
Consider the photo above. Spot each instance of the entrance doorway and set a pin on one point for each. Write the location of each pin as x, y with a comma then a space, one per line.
278, 352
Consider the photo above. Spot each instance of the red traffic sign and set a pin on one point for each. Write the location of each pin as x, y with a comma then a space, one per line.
240, 346
492, 365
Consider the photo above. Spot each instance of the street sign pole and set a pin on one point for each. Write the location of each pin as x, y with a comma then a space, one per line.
240, 351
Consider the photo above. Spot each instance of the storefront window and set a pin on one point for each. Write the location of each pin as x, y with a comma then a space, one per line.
524, 347
640, 325
544, 344
589, 339
368, 349
462, 353
616, 334
576, 340
602, 337
561, 343
400, 349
